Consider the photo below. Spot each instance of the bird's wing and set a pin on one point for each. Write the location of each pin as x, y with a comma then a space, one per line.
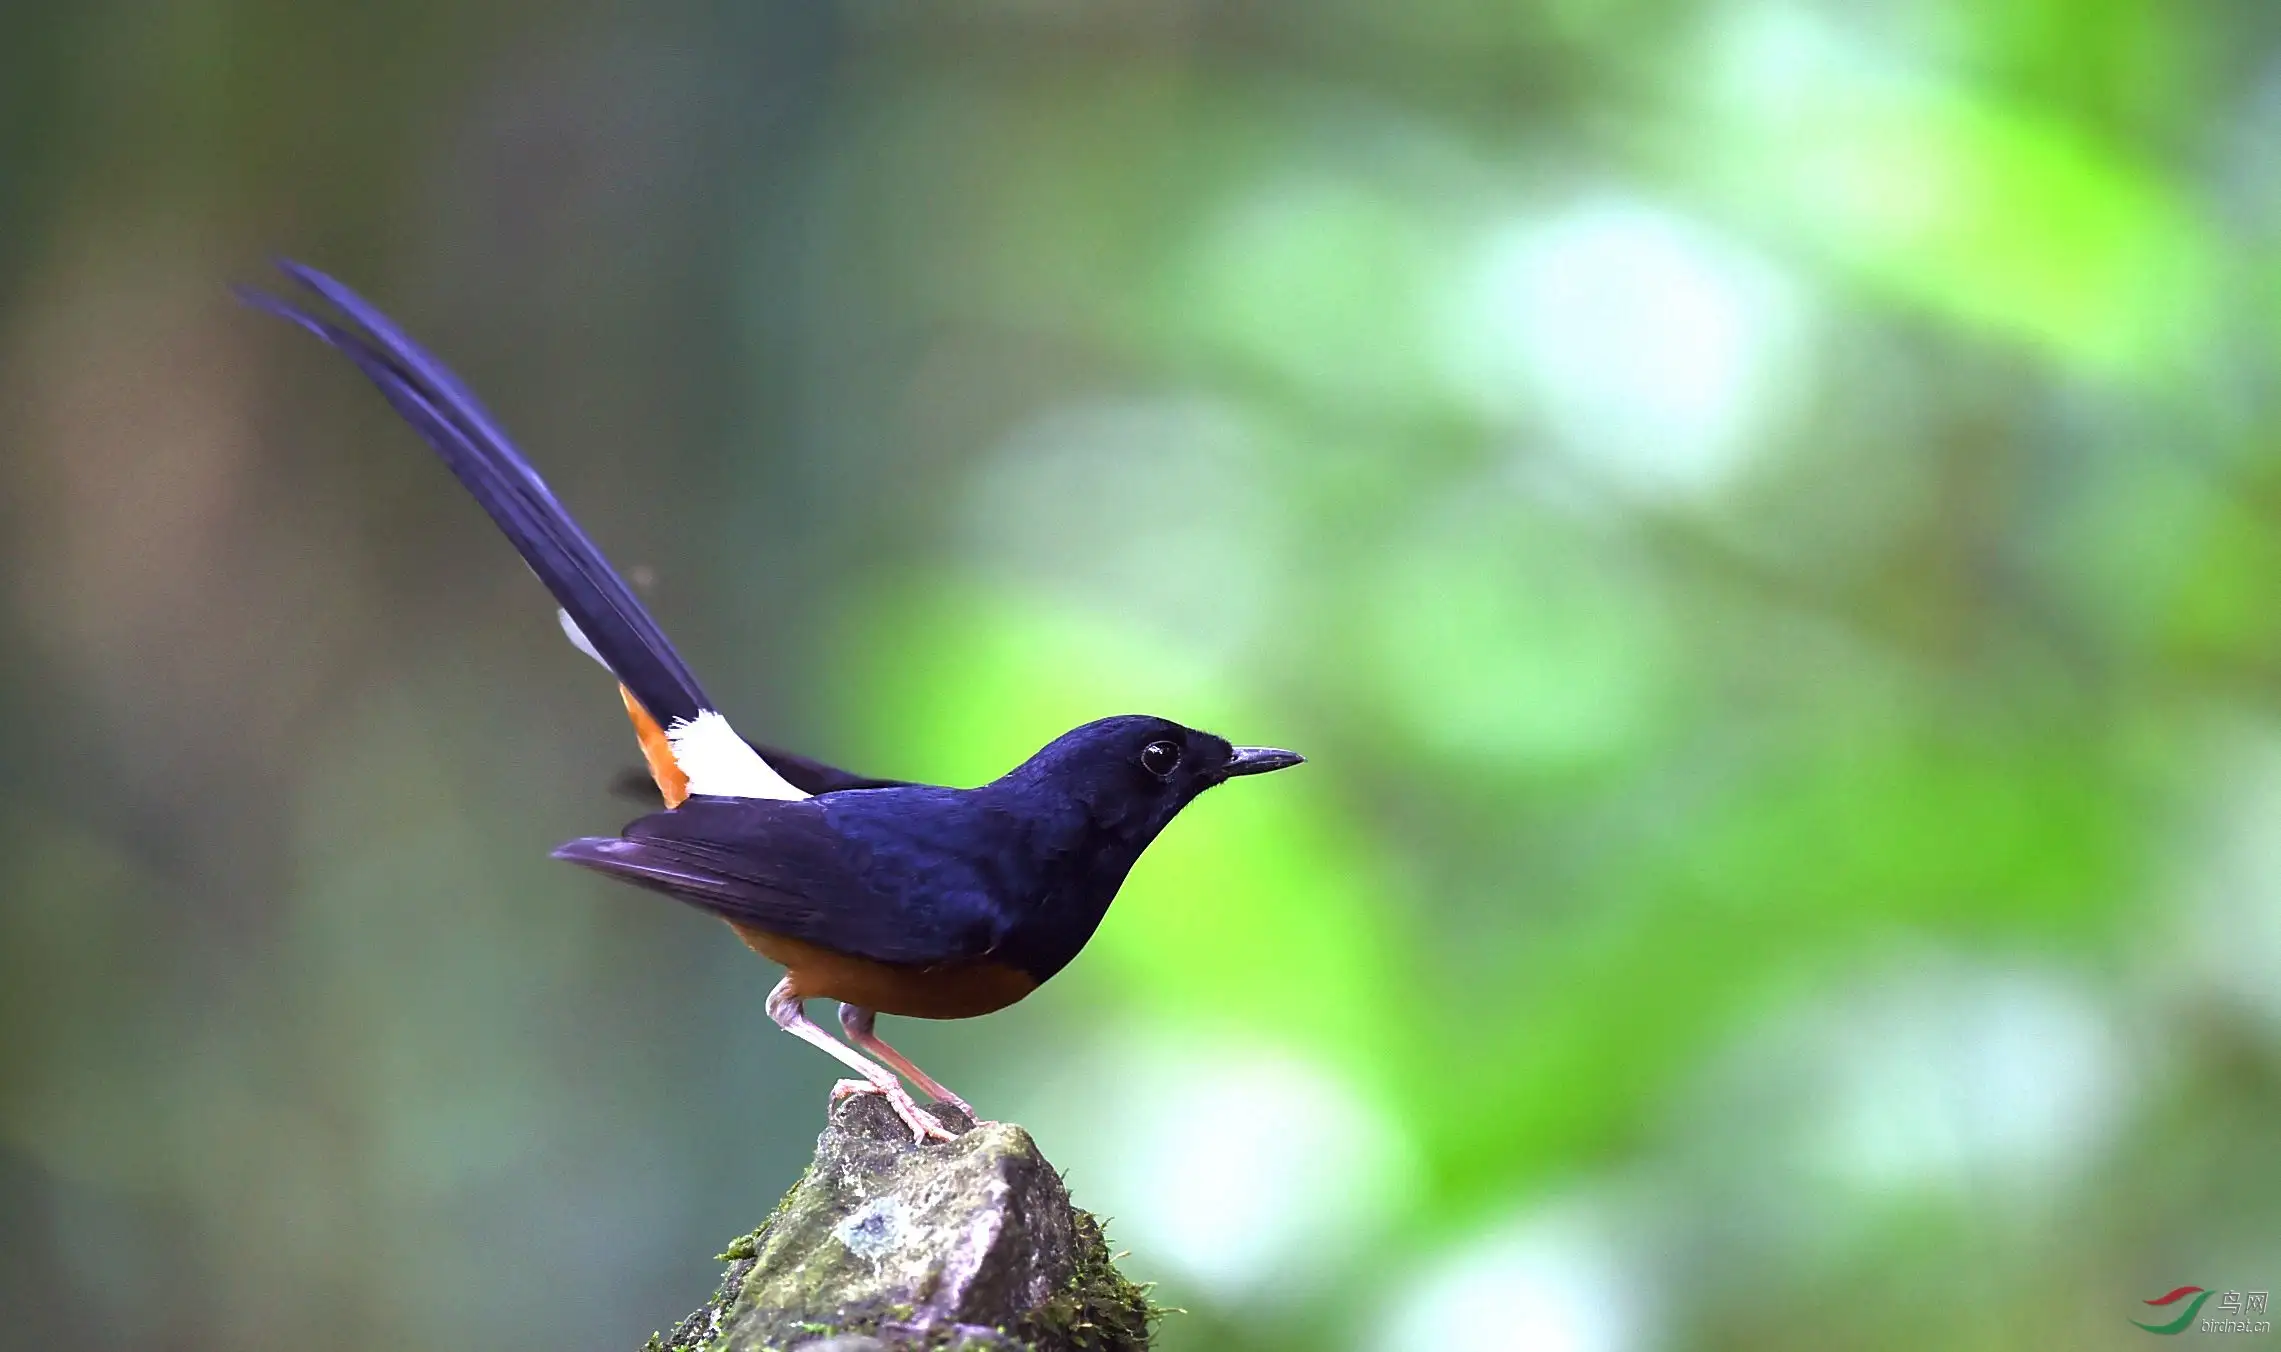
780, 867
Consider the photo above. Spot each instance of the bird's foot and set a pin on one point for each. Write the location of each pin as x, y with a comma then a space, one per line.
921, 1122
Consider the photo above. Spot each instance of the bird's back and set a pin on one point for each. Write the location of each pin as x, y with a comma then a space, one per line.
1034, 867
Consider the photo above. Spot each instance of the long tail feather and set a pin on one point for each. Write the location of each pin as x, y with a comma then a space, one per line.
617, 629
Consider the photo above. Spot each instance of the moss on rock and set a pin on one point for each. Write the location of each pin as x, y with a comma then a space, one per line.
962, 1246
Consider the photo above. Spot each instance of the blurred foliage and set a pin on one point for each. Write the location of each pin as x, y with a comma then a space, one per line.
1761, 513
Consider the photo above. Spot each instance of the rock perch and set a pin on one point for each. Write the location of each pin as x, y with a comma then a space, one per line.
966, 1246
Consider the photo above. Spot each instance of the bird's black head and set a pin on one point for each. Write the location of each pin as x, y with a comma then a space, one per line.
1088, 804
1132, 774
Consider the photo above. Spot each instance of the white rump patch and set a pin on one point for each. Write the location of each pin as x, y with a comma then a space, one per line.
719, 763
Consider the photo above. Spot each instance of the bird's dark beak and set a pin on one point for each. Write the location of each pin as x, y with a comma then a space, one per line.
1258, 760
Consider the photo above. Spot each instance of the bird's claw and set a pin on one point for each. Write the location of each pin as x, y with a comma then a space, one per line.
921, 1122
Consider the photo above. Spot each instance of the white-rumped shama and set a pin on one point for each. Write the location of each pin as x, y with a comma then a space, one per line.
891, 897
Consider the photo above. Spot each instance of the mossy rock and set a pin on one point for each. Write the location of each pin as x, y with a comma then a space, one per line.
962, 1246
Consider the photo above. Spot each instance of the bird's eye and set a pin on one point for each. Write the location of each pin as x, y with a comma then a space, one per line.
1160, 759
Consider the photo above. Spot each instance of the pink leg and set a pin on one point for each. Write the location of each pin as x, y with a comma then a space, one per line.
858, 1022
784, 1007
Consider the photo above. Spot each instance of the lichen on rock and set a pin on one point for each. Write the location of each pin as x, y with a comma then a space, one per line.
968, 1245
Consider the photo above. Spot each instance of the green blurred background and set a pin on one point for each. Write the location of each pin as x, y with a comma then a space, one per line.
1765, 516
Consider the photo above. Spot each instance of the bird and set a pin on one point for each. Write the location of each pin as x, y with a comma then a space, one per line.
889, 896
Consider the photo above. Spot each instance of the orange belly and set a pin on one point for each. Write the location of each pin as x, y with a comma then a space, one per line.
951, 991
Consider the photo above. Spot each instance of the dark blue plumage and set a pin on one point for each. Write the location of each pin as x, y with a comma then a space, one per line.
1019, 871
889, 896
597, 600
429, 397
